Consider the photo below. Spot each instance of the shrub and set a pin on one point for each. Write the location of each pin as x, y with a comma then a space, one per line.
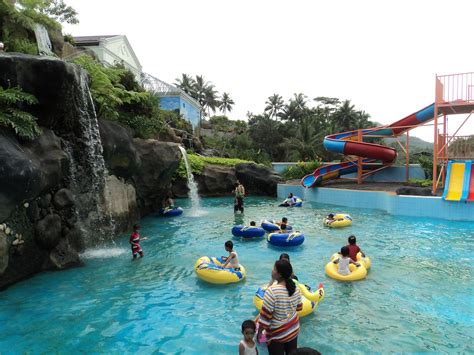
69, 38
420, 182
106, 89
300, 169
23, 123
198, 162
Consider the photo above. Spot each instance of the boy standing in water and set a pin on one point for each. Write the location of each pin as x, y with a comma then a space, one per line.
135, 242
239, 197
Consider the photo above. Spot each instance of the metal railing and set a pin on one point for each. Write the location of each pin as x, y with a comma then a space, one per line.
455, 88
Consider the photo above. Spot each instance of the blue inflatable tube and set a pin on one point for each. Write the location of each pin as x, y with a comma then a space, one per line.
247, 232
285, 239
171, 212
298, 203
271, 226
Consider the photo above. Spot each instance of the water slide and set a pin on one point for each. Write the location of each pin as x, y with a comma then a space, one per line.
346, 143
459, 181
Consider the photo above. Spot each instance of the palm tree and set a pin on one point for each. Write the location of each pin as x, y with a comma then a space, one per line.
346, 116
210, 99
274, 106
300, 101
186, 83
199, 89
226, 102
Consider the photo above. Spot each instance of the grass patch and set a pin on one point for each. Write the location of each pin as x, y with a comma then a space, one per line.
198, 163
420, 182
300, 169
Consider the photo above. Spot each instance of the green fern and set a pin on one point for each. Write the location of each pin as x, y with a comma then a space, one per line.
23, 123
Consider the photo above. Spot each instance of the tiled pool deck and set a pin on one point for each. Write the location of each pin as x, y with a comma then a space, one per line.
419, 206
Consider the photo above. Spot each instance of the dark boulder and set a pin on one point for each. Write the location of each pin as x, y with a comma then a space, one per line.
167, 134
20, 176
45, 201
54, 162
154, 177
4, 251
63, 198
257, 179
29, 169
120, 154
216, 180
48, 231
55, 83
63, 256
413, 190
75, 238
33, 212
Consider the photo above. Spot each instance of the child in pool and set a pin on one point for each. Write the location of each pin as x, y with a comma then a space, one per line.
247, 346
135, 242
353, 248
232, 261
168, 203
330, 218
283, 223
253, 224
344, 260
284, 256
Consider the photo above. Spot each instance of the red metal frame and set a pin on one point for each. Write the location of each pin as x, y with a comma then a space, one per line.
454, 94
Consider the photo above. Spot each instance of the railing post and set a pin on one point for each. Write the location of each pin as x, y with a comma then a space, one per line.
407, 156
359, 159
435, 142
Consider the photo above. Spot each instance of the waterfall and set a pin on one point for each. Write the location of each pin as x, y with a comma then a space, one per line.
192, 186
87, 171
43, 41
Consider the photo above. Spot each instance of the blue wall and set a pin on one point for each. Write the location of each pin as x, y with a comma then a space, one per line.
183, 105
419, 206
392, 174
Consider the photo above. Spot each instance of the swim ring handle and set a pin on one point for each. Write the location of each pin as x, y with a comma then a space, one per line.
316, 296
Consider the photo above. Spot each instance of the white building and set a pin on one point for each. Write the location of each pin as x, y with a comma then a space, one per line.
111, 50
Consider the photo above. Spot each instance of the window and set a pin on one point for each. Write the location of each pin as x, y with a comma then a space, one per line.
184, 105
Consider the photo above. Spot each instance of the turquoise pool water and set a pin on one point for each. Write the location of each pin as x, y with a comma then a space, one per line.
417, 297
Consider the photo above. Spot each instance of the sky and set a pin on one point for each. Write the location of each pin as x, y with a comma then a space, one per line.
381, 55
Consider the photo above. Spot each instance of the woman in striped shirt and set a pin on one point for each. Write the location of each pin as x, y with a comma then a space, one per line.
278, 315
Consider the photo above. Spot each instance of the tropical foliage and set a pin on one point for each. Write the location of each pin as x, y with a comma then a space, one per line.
420, 182
12, 116
117, 96
18, 18
205, 93
301, 169
198, 163
107, 90
288, 131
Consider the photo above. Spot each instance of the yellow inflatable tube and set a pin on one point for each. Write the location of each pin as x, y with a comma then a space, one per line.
364, 260
310, 300
340, 220
357, 272
210, 270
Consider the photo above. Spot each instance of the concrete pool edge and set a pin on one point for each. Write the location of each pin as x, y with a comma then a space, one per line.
401, 205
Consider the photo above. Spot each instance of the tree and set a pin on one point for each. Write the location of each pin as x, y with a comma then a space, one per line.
186, 83
54, 9
346, 117
296, 109
61, 12
210, 99
274, 105
225, 103
199, 89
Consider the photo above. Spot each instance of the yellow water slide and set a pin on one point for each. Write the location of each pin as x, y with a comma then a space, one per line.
455, 181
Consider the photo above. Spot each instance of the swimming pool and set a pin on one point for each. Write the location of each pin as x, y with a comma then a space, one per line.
417, 296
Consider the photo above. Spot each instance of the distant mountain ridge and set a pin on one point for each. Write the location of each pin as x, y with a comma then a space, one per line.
416, 144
